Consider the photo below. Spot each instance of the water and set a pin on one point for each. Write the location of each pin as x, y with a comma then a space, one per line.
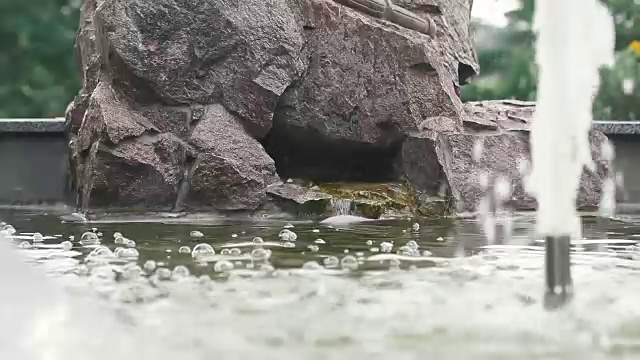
342, 297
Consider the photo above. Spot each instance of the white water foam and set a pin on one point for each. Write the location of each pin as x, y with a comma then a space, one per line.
575, 39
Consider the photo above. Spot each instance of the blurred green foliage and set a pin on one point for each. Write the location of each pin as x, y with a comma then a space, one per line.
508, 67
38, 71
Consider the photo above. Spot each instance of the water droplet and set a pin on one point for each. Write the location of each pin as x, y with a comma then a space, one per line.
67, 245
25, 245
180, 272
94, 229
627, 86
149, 265
478, 147
349, 262
130, 243
607, 151
289, 180
202, 250
386, 247
502, 188
287, 235
184, 250
223, 266
415, 227
331, 262
37, 237
320, 241
257, 240
235, 252
196, 234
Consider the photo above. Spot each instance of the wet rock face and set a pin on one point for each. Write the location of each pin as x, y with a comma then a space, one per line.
196, 104
468, 164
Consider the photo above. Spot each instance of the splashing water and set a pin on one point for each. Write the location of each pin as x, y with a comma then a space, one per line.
575, 38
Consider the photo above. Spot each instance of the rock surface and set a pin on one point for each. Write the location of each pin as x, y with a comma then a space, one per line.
467, 164
210, 104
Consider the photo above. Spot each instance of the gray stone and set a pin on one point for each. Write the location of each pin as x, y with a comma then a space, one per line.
232, 169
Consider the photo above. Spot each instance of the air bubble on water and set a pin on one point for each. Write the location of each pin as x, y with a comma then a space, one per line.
204, 280
82, 270
478, 147
320, 241
99, 234
94, 229
288, 244
180, 272
234, 235
131, 271
196, 234
127, 253
149, 265
162, 273
374, 249
257, 240
288, 226
117, 235
130, 243
120, 240
72, 238
101, 252
3, 224
89, 238
331, 262
260, 254
235, 252
267, 268
202, 250
394, 264
287, 235
415, 227
628, 86
223, 266
316, 230
312, 265
184, 250
440, 239
66, 245
386, 247
313, 248
427, 253
225, 252
369, 242
37, 237
346, 251
25, 245
412, 244
9, 229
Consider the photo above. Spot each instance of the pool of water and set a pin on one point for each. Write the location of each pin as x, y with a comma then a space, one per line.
373, 290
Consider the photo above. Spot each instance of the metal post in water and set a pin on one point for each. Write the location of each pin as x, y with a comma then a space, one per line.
558, 282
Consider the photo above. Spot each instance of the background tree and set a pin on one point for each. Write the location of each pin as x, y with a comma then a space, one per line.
508, 68
38, 73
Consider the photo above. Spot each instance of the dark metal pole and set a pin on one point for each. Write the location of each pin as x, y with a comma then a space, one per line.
558, 282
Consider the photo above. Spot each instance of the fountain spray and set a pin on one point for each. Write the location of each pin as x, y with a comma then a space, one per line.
574, 39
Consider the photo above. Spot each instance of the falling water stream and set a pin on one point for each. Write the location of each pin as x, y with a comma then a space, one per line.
202, 286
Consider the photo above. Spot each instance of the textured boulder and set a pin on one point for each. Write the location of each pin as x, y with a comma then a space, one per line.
466, 164
179, 96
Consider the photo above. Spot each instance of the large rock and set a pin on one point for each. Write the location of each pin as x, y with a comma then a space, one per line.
466, 164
